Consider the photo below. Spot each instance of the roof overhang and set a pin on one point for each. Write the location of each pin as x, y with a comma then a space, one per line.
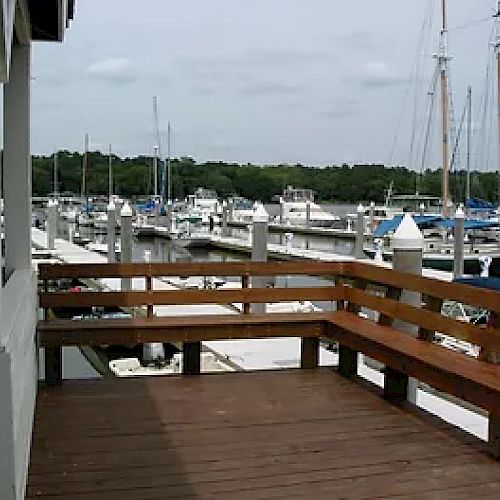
26, 20
50, 18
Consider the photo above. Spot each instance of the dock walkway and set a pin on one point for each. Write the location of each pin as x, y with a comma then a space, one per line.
278, 434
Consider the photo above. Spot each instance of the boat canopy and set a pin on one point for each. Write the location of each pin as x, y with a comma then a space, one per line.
490, 283
388, 226
480, 205
428, 221
469, 223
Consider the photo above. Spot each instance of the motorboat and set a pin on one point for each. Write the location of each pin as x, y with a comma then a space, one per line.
298, 208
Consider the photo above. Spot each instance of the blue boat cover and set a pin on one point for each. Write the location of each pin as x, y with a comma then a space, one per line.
391, 225
426, 221
477, 204
469, 223
491, 283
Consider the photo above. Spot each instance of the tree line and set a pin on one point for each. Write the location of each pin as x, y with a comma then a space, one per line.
133, 178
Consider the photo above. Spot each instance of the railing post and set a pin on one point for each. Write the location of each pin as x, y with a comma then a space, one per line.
53, 365
309, 352
493, 418
191, 358
494, 435
149, 288
244, 284
53, 355
395, 385
348, 361
348, 358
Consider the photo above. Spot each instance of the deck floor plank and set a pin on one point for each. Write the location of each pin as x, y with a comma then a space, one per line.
280, 434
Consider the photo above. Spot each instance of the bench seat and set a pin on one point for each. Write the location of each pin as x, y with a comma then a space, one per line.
448, 371
68, 332
463, 376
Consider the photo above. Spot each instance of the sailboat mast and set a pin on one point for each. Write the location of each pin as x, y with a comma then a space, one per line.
110, 173
169, 165
497, 51
84, 168
469, 140
56, 174
443, 64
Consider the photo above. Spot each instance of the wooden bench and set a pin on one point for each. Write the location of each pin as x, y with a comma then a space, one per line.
359, 287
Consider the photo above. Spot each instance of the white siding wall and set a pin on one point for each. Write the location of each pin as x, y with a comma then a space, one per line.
18, 380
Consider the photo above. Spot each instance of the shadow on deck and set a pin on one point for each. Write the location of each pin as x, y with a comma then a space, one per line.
280, 434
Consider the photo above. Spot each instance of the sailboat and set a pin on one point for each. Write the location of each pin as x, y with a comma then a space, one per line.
438, 252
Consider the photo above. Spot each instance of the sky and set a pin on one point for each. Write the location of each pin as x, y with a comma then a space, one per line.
316, 82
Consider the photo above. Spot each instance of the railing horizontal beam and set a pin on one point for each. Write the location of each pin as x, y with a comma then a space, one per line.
485, 337
185, 297
458, 292
180, 329
130, 270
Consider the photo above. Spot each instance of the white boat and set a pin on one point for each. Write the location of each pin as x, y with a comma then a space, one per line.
190, 240
297, 208
242, 210
101, 220
71, 215
132, 367
205, 204
101, 247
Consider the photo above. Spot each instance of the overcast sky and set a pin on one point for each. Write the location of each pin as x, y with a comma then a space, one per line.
266, 81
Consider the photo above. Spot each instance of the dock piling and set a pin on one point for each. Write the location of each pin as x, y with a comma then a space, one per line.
360, 232
126, 241
52, 207
458, 241
259, 248
111, 231
407, 244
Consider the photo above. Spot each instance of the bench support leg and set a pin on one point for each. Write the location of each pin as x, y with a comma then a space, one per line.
192, 354
395, 385
348, 361
309, 352
494, 435
53, 365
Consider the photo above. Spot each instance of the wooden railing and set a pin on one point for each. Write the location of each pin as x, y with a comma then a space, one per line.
355, 287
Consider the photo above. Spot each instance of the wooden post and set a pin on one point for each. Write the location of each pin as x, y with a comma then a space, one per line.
53, 365
494, 435
53, 355
192, 358
244, 284
348, 361
395, 386
149, 287
309, 352
494, 418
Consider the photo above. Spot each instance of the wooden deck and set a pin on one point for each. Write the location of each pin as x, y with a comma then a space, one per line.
280, 434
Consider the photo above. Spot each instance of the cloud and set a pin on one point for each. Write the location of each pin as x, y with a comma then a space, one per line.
113, 70
359, 40
376, 74
342, 108
270, 88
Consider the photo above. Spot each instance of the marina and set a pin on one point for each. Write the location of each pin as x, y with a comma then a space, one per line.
250, 251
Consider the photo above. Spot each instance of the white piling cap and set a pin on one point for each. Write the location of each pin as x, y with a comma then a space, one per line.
111, 205
459, 214
408, 235
259, 213
361, 209
126, 210
372, 204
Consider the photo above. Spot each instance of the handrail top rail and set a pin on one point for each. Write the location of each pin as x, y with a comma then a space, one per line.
433, 287
141, 269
